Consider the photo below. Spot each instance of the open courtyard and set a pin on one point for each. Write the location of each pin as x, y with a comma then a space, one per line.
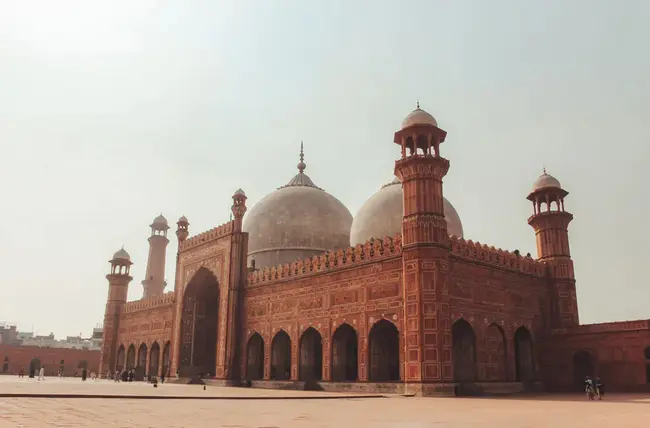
243, 408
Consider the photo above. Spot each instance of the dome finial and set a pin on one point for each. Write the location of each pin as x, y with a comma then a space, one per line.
301, 164
544, 169
418, 104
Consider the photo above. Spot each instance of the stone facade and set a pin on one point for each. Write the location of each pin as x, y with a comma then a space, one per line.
70, 361
421, 311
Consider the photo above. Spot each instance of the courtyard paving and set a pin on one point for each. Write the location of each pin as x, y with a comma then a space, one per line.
629, 411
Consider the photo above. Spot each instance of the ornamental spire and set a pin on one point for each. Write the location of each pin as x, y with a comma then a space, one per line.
301, 164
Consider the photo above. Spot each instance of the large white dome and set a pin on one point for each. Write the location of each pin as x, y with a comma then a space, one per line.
381, 215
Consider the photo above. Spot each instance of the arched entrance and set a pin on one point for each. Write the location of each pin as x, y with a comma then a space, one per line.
583, 366
5, 365
463, 351
166, 368
383, 358
154, 359
646, 354
345, 349
34, 366
524, 361
311, 355
255, 357
199, 325
130, 358
281, 356
495, 347
140, 369
120, 362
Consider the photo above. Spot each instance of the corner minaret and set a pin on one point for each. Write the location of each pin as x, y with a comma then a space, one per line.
118, 286
425, 254
154, 283
550, 222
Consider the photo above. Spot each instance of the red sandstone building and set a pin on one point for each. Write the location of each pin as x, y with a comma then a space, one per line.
30, 359
411, 306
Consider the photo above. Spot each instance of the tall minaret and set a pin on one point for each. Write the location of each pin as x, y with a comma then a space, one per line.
118, 286
154, 282
425, 254
551, 223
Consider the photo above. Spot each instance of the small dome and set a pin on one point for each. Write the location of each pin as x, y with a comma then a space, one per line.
419, 117
239, 192
381, 215
121, 254
545, 181
161, 220
183, 219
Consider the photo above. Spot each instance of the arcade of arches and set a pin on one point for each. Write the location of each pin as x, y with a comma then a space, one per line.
150, 362
199, 325
384, 355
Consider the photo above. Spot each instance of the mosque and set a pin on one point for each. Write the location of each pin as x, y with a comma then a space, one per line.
295, 292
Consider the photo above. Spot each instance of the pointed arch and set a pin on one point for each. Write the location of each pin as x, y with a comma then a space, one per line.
281, 356
154, 359
345, 351
495, 348
199, 324
34, 366
463, 351
383, 358
524, 356
120, 361
255, 357
310, 355
583, 366
165, 361
130, 357
5, 365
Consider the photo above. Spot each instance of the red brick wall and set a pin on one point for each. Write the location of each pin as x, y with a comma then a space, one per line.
21, 356
616, 349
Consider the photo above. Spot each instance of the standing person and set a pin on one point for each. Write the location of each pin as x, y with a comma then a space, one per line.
84, 374
41, 374
600, 388
162, 377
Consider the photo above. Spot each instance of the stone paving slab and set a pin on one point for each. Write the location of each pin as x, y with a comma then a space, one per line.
628, 411
13, 387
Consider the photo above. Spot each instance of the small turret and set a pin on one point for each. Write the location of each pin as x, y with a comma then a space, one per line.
238, 209
183, 231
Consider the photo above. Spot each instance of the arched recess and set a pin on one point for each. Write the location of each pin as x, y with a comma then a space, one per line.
34, 366
583, 366
345, 351
524, 357
311, 355
120, 362
281, 356
383, 341
463, 351
141, 367
199, 325
154, 359
495, 346
166, 355
5, 365
646, 353
255, 357
130, 357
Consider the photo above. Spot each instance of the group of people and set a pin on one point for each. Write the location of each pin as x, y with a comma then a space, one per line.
128, 376
594, 388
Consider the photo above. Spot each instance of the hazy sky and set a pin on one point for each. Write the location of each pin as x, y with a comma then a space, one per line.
112, 112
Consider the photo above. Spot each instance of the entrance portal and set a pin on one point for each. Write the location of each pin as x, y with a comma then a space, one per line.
255, 357
311, 355
583, 366
525, 364
281, 356
463, 351
199, 325
384, 352
154, 359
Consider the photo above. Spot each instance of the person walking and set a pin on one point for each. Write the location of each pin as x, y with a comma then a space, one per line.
41, 374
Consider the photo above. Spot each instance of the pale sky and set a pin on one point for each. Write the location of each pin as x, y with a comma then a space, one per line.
112, 112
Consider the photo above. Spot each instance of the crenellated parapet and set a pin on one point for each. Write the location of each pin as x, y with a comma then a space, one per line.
152, 302
212, 234
608, 327
496, 256
372, 250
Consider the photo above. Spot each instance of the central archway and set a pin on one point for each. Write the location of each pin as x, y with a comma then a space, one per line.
463, 351
281, 356
583, 366
199, 325
384, 352
345, 354
255, 357
311, 355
